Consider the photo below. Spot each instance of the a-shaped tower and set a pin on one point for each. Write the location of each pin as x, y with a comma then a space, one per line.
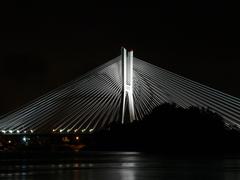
127, 84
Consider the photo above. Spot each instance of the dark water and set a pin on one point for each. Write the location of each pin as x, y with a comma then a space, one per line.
120, 166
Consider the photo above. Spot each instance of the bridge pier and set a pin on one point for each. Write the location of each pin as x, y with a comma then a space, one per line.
127, 84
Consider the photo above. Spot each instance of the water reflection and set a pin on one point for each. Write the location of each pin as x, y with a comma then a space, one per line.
120, 166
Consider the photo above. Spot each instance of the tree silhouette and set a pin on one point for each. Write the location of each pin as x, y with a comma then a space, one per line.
170, 128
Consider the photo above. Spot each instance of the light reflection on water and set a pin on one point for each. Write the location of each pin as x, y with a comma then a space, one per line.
120, 166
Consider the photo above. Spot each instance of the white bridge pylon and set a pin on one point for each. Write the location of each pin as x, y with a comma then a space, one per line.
127, 84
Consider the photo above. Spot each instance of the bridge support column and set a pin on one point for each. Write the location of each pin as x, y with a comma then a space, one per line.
127, 84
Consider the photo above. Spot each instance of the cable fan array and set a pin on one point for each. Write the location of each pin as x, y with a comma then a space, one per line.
81, 106
93, 101
185, 92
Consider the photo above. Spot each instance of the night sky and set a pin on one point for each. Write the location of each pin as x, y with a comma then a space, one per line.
44, 45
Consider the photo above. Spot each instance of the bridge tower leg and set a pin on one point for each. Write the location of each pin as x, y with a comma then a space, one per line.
127, 84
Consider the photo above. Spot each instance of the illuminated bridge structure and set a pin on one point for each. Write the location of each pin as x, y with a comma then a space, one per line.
125, 89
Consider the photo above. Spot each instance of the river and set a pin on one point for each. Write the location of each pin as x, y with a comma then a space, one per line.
120, 166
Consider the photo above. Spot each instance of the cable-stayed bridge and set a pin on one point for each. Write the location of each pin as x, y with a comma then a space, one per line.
125, 89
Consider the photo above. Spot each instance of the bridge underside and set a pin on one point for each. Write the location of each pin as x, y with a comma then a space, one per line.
93, 101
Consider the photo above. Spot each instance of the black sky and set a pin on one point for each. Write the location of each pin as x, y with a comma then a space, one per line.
44, 44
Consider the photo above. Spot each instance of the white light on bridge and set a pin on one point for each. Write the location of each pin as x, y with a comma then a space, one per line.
83, 130
24, 139
10, 131
31, 131
18, 131
91, 130
61, 130
3, 131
